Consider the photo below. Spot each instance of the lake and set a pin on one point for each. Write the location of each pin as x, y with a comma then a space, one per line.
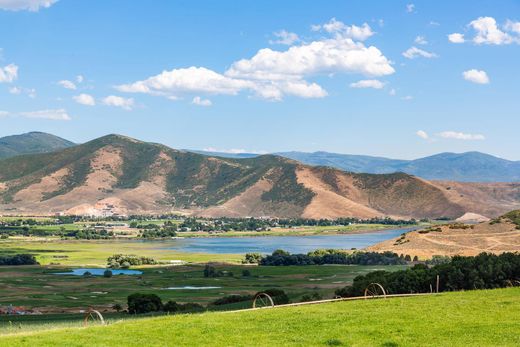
293, 244
98, 272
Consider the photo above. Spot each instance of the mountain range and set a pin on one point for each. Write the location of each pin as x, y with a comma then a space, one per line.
463, 167
116, 174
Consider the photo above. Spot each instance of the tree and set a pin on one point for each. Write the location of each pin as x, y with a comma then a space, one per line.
252, 258
144, 303
209, 271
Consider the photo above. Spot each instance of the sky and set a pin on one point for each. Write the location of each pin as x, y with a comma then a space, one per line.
400, 79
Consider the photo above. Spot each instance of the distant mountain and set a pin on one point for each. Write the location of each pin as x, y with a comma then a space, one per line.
29, 143
463, 167
115, 174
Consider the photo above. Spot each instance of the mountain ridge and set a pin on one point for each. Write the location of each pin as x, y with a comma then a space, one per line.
32, 142
116, 174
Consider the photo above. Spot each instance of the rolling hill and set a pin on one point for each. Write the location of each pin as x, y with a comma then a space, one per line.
470, 318
499, 235
120, 175
463, 167
29, 143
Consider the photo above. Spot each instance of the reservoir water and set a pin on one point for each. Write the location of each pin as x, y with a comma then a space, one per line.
267, 244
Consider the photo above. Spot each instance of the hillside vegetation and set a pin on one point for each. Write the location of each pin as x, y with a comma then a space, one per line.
33, 142
474, 318
120, 175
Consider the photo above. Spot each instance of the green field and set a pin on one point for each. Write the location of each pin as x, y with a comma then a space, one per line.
474, 318
38, 287
96, 252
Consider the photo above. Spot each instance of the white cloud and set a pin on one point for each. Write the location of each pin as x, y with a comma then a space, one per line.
8, 73
476, 76
15, 90
334, 26
58, 114
117, 101
27, 5
456, 38
85, 99
284, 37
422, 134
30, 92
410, 8
407, 98
489, 33
201, 102
80, 78
4, 114
512, 26
274, 74
233, 150
461, 136
392, 92
376, 84
421, 40
414, 52
67, 84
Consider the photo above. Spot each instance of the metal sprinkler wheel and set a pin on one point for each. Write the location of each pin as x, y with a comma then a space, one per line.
263, 300
375, 290
93, 316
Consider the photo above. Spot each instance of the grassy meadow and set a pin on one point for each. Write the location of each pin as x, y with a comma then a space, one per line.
474, 318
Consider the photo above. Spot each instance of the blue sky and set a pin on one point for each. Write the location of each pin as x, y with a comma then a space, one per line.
401, 79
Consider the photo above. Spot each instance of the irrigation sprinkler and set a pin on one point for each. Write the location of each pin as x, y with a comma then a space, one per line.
375, 290
263, 300
94, 316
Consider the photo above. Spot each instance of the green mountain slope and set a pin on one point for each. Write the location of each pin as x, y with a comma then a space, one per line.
33, 142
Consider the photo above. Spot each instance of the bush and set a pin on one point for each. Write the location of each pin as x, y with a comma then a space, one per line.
231, 299
107, 273
174, 307
144, 303
252, 258
246, 273
18, 259
209, 271
127, 260
311, 297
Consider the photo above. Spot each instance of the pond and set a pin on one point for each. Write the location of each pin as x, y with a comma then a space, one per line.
267, 244
99, 272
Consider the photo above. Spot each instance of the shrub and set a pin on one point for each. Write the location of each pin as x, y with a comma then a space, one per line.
127, 260
246, 273
279, 297
174, 307
231, 299
311, 297
144, 303
18, 259
252, 258
107, 273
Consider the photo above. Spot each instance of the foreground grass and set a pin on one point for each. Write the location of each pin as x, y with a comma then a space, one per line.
476, 318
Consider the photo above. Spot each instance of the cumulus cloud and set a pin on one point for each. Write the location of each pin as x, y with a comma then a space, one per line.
456, 38
25, 5
340, 29
476, 76
461, 136
67, 84
376, 84
4, 114
85, 99
284, 37
57, 114
8, 73
414, 52
80, 78
201, 102
273, 74
422, 134
30, 92
410, 8
421, 40
117, 101
488, 32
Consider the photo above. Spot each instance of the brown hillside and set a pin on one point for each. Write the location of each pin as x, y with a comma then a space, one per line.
496, 236
119, 175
